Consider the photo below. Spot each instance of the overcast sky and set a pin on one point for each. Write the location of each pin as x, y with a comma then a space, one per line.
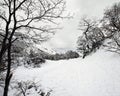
66, 38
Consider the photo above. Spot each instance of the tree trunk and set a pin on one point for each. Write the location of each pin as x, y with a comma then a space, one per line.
9, 74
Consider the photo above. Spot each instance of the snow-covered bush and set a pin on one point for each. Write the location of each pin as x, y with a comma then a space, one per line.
85, 47
71, 54
27, 88
36, 58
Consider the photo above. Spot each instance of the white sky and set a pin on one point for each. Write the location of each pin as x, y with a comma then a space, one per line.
66, 38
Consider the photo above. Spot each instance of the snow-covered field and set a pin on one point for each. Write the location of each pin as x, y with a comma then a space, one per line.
96, 75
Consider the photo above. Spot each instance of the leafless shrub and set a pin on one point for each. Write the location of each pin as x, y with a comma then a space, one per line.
26, 88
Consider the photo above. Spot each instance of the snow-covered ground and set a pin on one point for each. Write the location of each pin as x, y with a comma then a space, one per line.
96, 75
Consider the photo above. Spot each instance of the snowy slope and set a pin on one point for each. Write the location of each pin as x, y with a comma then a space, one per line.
46, 48
96, 75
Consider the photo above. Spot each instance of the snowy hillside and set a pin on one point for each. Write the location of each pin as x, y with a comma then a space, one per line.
46, 48
96, 75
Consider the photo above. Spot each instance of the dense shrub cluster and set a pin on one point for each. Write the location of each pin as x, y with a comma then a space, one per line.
46, 56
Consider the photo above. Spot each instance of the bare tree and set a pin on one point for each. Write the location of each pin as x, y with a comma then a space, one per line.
111, 27
95, 32
31, 17
91, 38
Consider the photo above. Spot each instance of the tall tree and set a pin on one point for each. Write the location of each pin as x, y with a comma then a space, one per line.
31, 17
91, 38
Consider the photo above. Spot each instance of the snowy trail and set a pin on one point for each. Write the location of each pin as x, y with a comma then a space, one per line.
97, 75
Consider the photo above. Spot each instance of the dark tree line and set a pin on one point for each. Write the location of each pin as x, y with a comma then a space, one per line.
42, 56
95, 32
62, 56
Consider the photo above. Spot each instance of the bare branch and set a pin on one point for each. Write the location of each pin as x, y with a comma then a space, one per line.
3, 18
20, 5
6, 3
